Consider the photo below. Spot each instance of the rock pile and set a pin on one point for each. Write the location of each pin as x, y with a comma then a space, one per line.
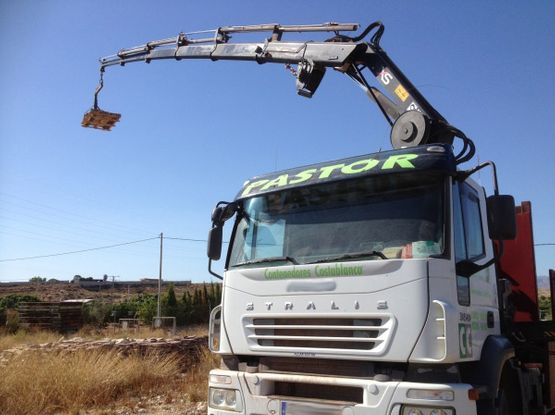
188, 348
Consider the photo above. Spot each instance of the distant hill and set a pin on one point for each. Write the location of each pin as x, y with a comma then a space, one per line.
60, 291
543, 281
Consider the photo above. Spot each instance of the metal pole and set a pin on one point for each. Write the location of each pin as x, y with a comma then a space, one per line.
552, 291
160, 276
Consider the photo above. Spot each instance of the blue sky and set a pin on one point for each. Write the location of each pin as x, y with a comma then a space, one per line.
192, 132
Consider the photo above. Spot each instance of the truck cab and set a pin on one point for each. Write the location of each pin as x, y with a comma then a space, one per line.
358, 286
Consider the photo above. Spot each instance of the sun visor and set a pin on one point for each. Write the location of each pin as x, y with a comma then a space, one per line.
438, 158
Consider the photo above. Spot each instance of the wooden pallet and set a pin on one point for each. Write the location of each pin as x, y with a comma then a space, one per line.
99, 119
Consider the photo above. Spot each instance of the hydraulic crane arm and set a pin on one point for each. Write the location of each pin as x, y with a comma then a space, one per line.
413, 119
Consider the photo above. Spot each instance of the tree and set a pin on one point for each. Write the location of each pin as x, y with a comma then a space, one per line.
8, 306
545, 307
169, 302
146, 309
37, 279
187, 308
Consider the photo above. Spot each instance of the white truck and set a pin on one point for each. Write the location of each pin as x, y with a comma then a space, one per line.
386, 283
366, 286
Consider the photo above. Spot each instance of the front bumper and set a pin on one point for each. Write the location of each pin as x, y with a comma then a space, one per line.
376, 398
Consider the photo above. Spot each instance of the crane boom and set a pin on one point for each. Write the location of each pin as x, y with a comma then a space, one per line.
413, 119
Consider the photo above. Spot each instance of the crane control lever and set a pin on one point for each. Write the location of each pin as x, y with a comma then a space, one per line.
414, 121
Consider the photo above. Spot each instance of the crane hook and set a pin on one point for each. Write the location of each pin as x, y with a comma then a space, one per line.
97, 118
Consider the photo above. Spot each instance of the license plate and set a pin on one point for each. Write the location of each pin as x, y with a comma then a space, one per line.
307, 408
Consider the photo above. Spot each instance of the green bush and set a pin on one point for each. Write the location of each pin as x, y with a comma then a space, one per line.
146, 307
545, 307
11, 302
193, 308
97, 313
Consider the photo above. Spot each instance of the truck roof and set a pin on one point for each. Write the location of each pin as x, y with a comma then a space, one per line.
436, 157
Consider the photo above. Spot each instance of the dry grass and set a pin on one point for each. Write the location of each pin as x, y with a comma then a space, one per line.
46, 383
22, 337
37, 382
195, 330
196, 379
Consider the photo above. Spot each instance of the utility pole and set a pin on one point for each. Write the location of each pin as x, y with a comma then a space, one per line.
160, 278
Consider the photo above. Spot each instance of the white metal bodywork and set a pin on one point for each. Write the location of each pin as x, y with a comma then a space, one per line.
421, 321
395, 292
379, 398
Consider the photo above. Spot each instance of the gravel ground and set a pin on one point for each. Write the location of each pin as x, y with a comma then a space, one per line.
154, 406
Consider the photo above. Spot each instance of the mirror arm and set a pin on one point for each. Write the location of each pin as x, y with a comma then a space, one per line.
212, 272
218, 222
463, 175
466, 268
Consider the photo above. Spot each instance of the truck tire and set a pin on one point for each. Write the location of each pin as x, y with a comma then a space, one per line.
508, 401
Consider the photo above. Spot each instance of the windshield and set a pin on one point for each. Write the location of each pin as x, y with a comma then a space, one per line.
377, 217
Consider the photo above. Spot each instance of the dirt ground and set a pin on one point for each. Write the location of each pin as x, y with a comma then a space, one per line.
157, 405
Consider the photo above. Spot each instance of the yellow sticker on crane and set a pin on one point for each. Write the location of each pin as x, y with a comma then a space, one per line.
402, 93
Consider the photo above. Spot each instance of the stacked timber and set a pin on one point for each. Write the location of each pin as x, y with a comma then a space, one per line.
54, 316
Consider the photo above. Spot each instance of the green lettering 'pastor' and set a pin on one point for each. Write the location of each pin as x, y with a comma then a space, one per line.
360, 166
303, 176
253, 185
277, 182
326, 171
403, 160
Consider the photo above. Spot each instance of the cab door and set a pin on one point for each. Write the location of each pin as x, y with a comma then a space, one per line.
476, 294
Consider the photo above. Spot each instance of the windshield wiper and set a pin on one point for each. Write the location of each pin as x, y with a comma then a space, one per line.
270, 259
350, 256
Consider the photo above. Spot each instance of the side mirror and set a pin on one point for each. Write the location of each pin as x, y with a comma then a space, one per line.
501, 217
217, 214
214, 250
222, 213
228, 211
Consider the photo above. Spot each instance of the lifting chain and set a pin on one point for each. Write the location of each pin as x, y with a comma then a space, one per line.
290, 68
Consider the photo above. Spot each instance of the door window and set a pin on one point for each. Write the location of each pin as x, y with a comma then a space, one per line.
468, 234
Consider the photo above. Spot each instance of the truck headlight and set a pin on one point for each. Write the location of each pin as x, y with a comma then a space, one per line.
223, 379
227, 399
433, 395
423, 410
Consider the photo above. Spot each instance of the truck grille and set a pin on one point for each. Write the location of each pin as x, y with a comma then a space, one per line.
364, 334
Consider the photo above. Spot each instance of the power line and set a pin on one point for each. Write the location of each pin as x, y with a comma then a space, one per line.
190, 239
102, 247
185, 239
139, 241
78, 252
64, 213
